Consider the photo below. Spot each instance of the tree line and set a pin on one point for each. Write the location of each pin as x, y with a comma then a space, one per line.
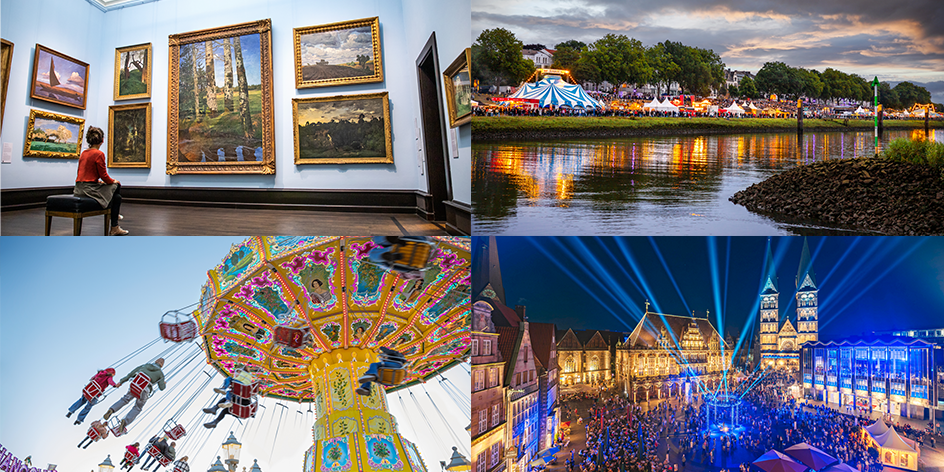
198, 88
618, 59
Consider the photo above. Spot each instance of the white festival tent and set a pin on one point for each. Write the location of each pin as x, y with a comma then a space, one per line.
668, 106
553, 91
862, 111
734, 108
653, 105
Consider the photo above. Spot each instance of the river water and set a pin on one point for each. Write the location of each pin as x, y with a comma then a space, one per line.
660, 185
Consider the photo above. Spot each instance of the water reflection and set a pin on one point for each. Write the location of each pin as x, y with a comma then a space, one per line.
645, 185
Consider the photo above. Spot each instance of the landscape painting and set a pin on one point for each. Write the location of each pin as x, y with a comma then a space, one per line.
338, 53
221, 119
344, 129
59, 78
129, 135
53, 135
459, 89
133, 72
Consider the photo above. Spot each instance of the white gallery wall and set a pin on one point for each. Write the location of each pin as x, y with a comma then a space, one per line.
78, 29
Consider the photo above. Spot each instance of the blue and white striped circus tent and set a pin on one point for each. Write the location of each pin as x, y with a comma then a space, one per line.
552, 90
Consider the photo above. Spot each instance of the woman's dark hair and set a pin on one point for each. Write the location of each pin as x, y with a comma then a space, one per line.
94, 136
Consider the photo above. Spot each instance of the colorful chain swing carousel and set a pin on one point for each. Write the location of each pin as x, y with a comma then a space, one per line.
302, 319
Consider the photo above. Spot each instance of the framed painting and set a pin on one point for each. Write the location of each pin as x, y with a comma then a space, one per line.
58, 78
133, 72
343, 129
53, 135
220, 106
338, 53
129, 135
6, 58
459, 89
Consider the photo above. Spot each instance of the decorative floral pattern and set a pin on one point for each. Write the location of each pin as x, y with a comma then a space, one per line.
362, 250
367, 280
341, 391
344, 425
335, 455
382, 452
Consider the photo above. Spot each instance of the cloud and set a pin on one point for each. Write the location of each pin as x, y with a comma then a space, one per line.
893, 40
76, 79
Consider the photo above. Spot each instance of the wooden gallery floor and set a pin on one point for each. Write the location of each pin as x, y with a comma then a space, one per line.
164, 220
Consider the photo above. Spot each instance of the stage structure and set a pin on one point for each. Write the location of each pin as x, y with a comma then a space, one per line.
346, 309
724, 414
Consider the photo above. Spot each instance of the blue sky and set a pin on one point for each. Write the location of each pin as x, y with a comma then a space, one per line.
71, 306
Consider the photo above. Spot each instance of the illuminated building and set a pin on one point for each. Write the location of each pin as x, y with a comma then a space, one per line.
514, 382
780, 341
885, 373
669, 354
585, 356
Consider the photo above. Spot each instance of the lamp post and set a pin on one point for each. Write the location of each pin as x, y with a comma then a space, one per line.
218, 467
232, 448
106, 465
255, 466
457, 463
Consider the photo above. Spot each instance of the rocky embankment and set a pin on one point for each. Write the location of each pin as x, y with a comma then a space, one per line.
864, 194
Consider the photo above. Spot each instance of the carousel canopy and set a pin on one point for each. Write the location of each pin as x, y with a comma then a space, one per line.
552, 90
891, 440
328, 286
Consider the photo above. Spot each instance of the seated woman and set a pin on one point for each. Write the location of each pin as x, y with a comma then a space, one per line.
91, 169
389, 359
133, 450
103, 378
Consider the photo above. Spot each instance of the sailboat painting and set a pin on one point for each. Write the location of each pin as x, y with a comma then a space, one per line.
59, 78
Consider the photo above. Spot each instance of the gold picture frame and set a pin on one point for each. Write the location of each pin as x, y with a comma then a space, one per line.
53, 135
342, 129
129, 135
458, 80
70, 88
6, 59
351, 62
221, 138
128, 82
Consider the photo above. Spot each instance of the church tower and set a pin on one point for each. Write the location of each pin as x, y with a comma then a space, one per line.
769, 311
807, 300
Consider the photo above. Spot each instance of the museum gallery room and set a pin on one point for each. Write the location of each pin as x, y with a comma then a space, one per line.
224, 117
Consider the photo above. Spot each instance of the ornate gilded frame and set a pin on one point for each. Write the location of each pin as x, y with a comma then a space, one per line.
27, 145
111, 135
40, 48
387, 158
461, 64
374, 24
7, 56
267, 166
146, 74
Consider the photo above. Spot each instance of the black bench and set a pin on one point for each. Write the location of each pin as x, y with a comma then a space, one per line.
70, 206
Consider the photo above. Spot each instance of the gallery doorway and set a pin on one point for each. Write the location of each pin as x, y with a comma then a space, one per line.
438, 179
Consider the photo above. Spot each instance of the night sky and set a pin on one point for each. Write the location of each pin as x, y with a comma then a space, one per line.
895, 41
865, 283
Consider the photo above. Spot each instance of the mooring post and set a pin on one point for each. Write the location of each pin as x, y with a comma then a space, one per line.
881, 118
874, 85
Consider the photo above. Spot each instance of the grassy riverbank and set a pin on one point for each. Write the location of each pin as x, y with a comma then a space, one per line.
524, 127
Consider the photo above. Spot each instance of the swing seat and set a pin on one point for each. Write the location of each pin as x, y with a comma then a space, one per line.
408, 255
182, 467
114, 424
139, 384
244, 411
91, 391
97, 431
178, 327
174, 430
390, 377
129, 456
290, 337
243, 390
154, 452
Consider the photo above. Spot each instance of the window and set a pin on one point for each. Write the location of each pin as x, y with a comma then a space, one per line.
483, 421
480, 463
496, 453
495, 414
479, 382
492, 377
517, 378
486, 347
475, 347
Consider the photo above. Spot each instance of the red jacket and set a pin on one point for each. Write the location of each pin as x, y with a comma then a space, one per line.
104, 379
92, 167
132, 450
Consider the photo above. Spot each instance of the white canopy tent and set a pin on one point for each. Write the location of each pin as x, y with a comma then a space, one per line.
734, 109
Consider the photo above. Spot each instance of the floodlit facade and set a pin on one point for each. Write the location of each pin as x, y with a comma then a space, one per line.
891, 374
782, 337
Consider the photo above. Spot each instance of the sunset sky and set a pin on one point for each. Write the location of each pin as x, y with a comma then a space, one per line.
895, 41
